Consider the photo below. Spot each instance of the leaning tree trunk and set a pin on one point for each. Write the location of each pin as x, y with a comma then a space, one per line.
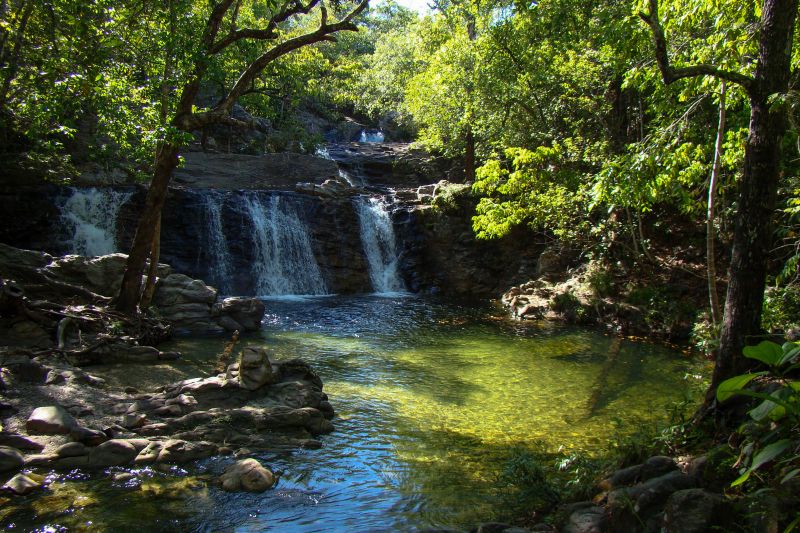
131, 289
752, 236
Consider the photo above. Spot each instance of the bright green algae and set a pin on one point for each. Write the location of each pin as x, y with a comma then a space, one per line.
431, 400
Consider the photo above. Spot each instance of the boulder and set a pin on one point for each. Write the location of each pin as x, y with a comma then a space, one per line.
71, 449
20, 442
255, 369
10, 459
247, 475
50, 420
177, 289
588, 518
101, 275
247, 312
695, 511
115, 452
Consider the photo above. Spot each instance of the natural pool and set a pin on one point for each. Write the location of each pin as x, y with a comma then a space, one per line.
431, 398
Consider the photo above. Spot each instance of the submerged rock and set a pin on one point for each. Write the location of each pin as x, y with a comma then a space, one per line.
247, 475
22, 484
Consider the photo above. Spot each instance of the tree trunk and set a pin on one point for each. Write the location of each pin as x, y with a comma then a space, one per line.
469, 157
757, 191
152, 270
130, 291
711, 262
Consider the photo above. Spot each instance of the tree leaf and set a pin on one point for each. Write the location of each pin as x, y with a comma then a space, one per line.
765, 409
731, 386
766, 351
769, 453
790, 475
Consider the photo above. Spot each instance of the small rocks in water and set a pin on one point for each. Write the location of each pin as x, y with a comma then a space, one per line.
131, 390
23, 484
71, 449
10, 459
115, 452
50, 420
122, 477
247, 475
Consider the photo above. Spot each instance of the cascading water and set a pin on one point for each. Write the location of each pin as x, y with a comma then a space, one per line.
378, 240
90, 219
285, 262
218, 252
371, 136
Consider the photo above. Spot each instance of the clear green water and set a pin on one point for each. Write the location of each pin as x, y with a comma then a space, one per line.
431, 400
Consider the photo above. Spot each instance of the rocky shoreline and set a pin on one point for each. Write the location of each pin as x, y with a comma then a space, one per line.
57, 416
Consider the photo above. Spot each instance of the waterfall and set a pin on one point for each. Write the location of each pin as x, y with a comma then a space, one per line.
284, 261
377, 238
90, 220
218, 252
371, 136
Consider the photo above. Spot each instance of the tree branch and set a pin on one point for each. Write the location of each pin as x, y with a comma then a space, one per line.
670, 73
289, 9
323, 33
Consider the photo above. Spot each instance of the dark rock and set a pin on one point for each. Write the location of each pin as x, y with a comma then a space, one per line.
631, 507
588, 519
89, 437
51, 420
695, 511
653, 467
10, 459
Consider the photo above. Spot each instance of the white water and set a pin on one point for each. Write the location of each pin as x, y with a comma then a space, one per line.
371, 136
218, 252
378, 240
90, 219
285, 262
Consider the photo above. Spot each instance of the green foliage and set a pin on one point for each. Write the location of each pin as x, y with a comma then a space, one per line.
527, 484
776, 419
538, 188
705, 336
781, 311
600, 280
448, 198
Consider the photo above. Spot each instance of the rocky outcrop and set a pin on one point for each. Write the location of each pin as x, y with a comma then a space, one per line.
392, 164
188, 304
237, 171
257, 403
